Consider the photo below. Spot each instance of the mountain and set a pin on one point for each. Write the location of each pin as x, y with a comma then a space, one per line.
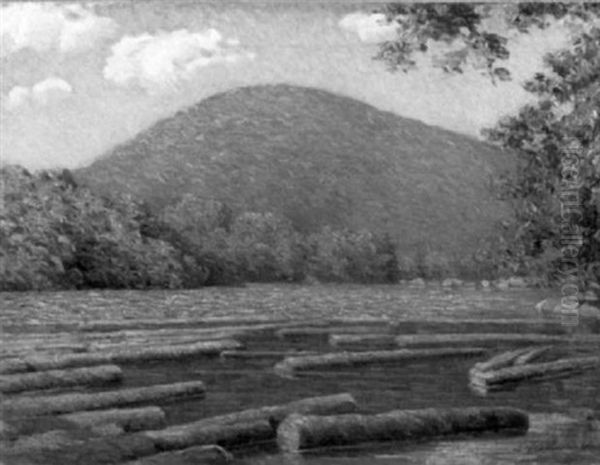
318, 159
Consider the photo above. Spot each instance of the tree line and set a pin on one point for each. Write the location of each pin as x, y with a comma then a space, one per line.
55, 234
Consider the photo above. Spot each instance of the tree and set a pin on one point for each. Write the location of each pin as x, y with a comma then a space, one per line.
558, 143
543, 134
462, 25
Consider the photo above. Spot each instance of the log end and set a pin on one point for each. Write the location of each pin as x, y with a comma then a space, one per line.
290, 432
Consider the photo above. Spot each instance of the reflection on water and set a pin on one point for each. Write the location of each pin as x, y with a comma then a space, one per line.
235, 384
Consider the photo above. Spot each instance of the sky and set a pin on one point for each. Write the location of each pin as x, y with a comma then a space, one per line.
77, 79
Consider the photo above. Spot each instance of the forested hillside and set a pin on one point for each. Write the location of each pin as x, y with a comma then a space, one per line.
319, 160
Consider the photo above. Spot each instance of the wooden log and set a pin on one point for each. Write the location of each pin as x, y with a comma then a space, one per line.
67, 403
200, 433
88, 376
164, 334
129, 419
8, 350
321, 405
501, 360
111, 449
175, 340
196, 455
471, 325
116, 325
532, 355
429, 340
302, 432
351, 341
259, 354
48, 440
133, 354
506, 377
305, 332
7, 431
347, 359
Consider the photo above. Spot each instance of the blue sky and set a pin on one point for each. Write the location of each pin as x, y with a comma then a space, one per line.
79, 78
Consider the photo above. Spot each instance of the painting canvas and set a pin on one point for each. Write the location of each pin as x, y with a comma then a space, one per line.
283, 232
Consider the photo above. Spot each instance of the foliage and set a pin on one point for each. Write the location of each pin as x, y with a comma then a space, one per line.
54, 234
556, 192
461, 25
558, 141
352, 256
267, 248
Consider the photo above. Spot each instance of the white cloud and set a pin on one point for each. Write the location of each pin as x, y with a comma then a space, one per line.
42, 93
160, 62
371, 28
46, 26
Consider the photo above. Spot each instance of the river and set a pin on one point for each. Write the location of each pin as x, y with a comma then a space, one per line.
238, 384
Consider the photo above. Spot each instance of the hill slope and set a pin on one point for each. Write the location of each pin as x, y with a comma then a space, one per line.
318, 159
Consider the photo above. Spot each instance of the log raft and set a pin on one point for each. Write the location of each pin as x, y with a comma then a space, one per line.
303, 432
507, 377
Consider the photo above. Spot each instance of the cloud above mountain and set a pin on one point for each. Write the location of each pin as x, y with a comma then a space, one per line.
42, 93
160, 62
44, 27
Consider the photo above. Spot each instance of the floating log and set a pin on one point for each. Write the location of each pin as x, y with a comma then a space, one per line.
345, 359
532, 355
6, 431
428, 340
69, 450
49, 440
164, 333
129, 419
200, 433
471, 325
301, 432
150, 341
247, 354
212, 454
304, 332
501, 360
112, 325
67, 403
8, 350
321, 405
349, 341
361, 321
133, 354
509, 376
87, 376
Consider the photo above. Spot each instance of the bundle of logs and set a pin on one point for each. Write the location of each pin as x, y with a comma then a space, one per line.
507, 369
129, 425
